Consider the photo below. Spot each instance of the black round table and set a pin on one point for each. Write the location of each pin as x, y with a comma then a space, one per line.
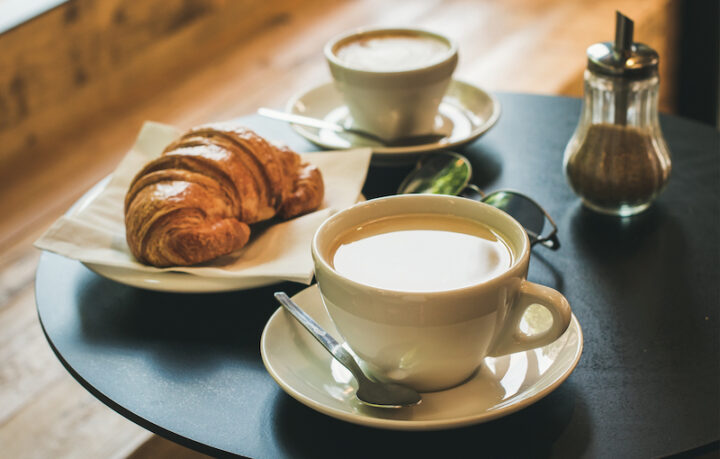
645, 291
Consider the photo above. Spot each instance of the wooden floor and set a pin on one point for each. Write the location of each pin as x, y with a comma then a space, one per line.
505, 45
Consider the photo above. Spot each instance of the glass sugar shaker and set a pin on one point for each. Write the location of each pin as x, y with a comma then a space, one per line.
617, 160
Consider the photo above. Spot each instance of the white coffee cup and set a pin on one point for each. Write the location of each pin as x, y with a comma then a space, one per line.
434, 340
392, 100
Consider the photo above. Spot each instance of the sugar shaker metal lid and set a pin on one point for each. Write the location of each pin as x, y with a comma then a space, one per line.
623, 58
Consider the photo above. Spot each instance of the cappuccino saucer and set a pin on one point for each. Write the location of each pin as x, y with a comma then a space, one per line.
503, 385
466, 112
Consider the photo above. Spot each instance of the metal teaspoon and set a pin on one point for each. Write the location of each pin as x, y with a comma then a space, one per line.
420, 139
381, 395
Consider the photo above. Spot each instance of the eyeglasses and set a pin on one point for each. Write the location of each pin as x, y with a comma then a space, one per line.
523, 209
447, 172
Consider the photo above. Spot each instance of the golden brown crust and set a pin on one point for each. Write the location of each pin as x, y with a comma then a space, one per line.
307, 192
195, 202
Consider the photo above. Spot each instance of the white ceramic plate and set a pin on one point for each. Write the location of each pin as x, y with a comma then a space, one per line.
307, 372
178, 282
466, 113
166, 281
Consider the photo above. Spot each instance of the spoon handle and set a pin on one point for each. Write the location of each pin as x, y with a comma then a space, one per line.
328, 342
299, 119
318, 123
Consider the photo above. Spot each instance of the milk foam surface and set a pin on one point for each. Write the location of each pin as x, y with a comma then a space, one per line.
417, 254
389, 52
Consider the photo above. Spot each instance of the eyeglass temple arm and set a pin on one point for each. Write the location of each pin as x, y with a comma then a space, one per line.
550, 241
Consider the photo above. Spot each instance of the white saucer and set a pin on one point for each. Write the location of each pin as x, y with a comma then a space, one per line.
466, 113
307, 372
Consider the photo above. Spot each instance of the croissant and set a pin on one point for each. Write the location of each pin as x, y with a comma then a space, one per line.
196, 201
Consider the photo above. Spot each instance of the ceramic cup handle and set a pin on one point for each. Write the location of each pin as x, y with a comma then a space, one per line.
511, 339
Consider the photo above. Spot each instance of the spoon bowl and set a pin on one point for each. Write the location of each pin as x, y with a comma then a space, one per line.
386, 395
444, 172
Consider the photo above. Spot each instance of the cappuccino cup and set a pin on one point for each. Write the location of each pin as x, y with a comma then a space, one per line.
392, 79
424, 287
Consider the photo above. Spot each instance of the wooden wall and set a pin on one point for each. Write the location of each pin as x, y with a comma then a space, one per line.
78, 65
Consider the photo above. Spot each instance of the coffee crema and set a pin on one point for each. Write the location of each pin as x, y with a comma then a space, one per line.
421, 253
389, 52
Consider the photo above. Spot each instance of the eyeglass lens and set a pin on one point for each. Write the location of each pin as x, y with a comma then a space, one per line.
521, 208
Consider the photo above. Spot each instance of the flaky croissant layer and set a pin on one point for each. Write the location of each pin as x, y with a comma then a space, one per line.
194, 203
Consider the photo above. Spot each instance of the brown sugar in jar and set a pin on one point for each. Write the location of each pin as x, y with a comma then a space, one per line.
617, 167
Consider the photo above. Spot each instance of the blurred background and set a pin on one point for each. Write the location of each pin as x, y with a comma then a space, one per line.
79, 77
